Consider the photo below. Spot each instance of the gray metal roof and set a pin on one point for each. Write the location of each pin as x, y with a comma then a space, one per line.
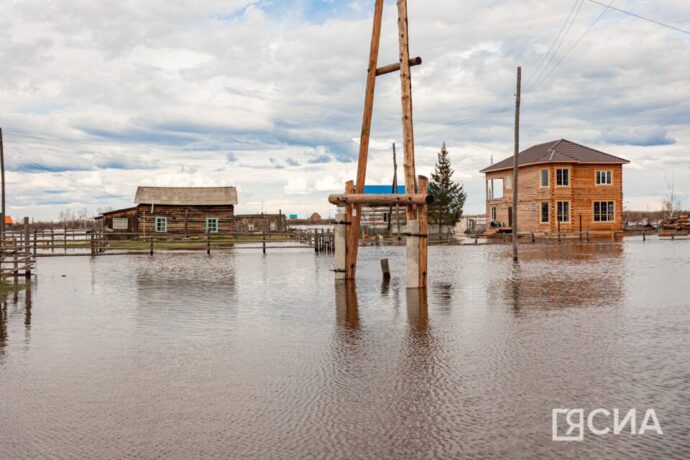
560, 151
186, 196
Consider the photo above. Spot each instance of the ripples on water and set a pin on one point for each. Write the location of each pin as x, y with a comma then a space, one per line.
244, 355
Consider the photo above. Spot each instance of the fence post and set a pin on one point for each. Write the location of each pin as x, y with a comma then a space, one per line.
208, 242
151, 250
35, 242
264, 241
588, 236
16, 262
52, 240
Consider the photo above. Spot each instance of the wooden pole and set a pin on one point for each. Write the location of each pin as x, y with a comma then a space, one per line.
394, 191
515, 165
381, 200
406, 99
422, 211
353, 240
2, 178
264, 241
151, 249
395, 67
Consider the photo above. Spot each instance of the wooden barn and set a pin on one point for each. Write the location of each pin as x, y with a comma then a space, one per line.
561, 185
175, 211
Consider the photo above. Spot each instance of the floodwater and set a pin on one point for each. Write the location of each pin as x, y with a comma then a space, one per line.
240, 355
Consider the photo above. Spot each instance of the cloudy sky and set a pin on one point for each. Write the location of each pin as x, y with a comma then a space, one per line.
98, 97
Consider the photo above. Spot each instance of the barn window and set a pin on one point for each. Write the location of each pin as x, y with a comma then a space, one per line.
603, 177
544, 178
563, 211
562, 177
212, 225
544, 212
604, 211
161, 224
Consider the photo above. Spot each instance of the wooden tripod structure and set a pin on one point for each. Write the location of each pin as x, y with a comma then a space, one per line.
416, 197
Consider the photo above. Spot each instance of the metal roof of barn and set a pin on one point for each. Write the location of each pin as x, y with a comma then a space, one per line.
186, 196
560, 151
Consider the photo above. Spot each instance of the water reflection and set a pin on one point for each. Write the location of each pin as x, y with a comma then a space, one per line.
5, 311
553, 276
347, 309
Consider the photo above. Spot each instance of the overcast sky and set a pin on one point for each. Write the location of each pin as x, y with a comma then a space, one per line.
98, 97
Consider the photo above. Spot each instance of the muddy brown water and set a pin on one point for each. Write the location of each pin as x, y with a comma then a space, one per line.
240, 355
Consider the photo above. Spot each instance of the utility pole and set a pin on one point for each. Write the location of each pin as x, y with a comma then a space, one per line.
2, 178
515, 165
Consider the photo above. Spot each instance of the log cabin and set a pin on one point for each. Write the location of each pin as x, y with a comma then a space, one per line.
175, 211
562, 186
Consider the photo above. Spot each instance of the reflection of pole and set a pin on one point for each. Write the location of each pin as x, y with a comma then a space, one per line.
515, 165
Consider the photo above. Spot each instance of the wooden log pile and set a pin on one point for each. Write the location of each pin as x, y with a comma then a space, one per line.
680, 224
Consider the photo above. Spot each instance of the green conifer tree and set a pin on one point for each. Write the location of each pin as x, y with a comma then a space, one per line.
449, 196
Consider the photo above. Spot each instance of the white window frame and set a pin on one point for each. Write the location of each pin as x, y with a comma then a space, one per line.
217, 226
157, 228
569, 212
491, 188
563, 169
607, 174
548, 178
548, 213
613, 211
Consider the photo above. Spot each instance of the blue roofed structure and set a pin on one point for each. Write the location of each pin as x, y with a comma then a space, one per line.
383, 189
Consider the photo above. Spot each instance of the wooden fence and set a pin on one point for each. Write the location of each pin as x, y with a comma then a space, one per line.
47, 242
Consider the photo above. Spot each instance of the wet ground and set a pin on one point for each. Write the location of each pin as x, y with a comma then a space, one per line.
250, 356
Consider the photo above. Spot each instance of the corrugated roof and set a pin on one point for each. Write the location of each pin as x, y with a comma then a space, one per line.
560, 151
186, 196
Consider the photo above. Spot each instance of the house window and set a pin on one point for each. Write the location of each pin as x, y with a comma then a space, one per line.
212, 224
604, 211
509, 182
494, 188
493, 214
250, 227
544, 178
603, 177
161, 224
562, 177
563, 211
544, 212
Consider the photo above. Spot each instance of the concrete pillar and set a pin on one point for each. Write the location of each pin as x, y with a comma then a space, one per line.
340, 251
413, 254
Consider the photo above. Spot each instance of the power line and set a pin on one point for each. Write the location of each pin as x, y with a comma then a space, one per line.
553, 43
560, 43
567, 53
642, 17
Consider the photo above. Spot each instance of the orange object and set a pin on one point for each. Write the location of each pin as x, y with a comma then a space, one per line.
8, 220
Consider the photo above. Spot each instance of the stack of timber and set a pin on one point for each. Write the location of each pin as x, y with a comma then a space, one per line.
675, 226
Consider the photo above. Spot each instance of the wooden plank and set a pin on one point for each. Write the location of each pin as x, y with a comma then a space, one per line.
353, 240
423, 183
406, 98
381, 200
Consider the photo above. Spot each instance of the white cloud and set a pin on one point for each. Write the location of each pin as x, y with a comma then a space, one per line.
135, 92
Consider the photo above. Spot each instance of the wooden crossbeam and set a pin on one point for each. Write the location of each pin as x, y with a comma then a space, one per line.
390, 68
381, 200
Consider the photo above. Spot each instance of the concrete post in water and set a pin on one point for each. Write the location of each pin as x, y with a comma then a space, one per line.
340, 251
412, 254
